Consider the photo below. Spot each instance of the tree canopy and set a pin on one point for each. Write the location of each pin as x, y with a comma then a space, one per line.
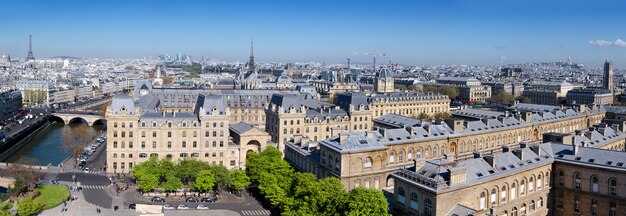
205, 181
503, 97
238, 180
451, 91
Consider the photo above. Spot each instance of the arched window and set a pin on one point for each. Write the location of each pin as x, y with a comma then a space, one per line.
513, 192
522, 210
414, 202
183, 154
505, 213
594, 207
577, 180
514, 211
401, 156
410, 154
540, 202
522, 188
531, 207
482, 201
401, 195
612, 209
367, 163
503, 194
392, 157
561, 178
493, 198
143, 155
594, 184
428, 207
539, 183
531, 185
612, 186
154, 155
576, 204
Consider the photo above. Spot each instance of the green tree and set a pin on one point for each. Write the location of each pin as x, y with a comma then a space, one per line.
502, 97
365, 201
423, 116
172, 183
28, 207
148, 182
526, 100
451, 91
222, 176
151, 166
238, 180
442, 115
18, 187
187, 169
204, 181
270, 160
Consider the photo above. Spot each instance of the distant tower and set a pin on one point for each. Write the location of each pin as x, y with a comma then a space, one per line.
384, 81
251, 66
30, 48
608, 75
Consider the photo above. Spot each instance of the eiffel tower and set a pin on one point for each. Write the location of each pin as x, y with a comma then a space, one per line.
30, 48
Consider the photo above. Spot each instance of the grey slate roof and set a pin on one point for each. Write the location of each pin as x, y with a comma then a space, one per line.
461, 210
397, 121
384, 73
162, 118
286, 101
148, 102
210, 102
601, 158
241, 127
345, 99
354, 142
122, 101
477, 114
323, 113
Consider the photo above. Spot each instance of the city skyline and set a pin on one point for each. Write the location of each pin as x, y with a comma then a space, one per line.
459, 32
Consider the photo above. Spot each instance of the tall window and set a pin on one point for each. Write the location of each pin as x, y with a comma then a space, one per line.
493, 197
513, 191
612, 186
514, 211
391, 157
522, 188
522, 210
531, 185
401, 195
577, 180
594, 184
561, 178
539, 182
428, 207
576, 204
612, 209
503, 194
531, 207
540, 202
367, 163
414, 203
482, 200
594, 207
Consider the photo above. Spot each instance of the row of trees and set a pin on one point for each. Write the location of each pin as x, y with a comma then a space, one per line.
167, 176
451, 91
296, 193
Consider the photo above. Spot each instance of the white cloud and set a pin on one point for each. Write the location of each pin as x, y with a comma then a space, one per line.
604, 43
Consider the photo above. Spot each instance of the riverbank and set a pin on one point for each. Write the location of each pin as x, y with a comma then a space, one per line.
22, 138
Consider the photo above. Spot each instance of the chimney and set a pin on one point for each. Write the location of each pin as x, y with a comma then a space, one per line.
575, 148
519, 153
343, 136
458, 175
491, 160
455, 125
535, 149
505, 149
523, 145
527, 116
477, 154
615, 127
506, 114
370, 134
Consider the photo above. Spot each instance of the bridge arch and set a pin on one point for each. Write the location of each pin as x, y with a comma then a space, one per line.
78, 120
56, 119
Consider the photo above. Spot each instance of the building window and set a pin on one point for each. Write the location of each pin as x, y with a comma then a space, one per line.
401, 195
522, 188
513, 191
184, 144
594, 184
154, 133
503, 194
594, 207
539, 183
391, 157
195, 144
154, 145
367, 163
143, 144
576, 204
531, 207
492, 197
114, 144
428, 207
531, 185
114, 155
169, 144
514, 211
577, 180
143, 155
143, 134
612, 209
414, 202
612, 186
540, 202
522, 210
169, 134
482, 201
561, 178
130, 144
221, 143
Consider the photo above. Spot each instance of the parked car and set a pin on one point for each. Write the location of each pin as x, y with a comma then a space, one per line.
157, 199
87, 170
202, 207
168, 207
132, 206
208, 200
182, 207
191, 199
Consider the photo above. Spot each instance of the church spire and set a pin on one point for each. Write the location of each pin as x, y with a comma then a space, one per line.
251, 65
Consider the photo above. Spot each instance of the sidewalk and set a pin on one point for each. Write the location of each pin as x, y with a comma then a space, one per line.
81, 207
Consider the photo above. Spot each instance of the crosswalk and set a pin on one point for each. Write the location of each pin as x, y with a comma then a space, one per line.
94, 186
256, 212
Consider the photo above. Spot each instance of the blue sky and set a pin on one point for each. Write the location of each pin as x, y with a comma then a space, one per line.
409, 32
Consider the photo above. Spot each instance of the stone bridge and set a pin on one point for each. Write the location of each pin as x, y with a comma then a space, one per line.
74, 116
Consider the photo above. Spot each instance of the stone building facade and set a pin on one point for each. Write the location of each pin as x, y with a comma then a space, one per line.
137, 132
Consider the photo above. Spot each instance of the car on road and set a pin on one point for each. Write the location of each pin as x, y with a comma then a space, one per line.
157, 199
208, 200
202, 207
182, 207
87, 170
191, 199
132, 206
168, 207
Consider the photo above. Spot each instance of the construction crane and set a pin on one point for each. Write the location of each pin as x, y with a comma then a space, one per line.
374, 55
